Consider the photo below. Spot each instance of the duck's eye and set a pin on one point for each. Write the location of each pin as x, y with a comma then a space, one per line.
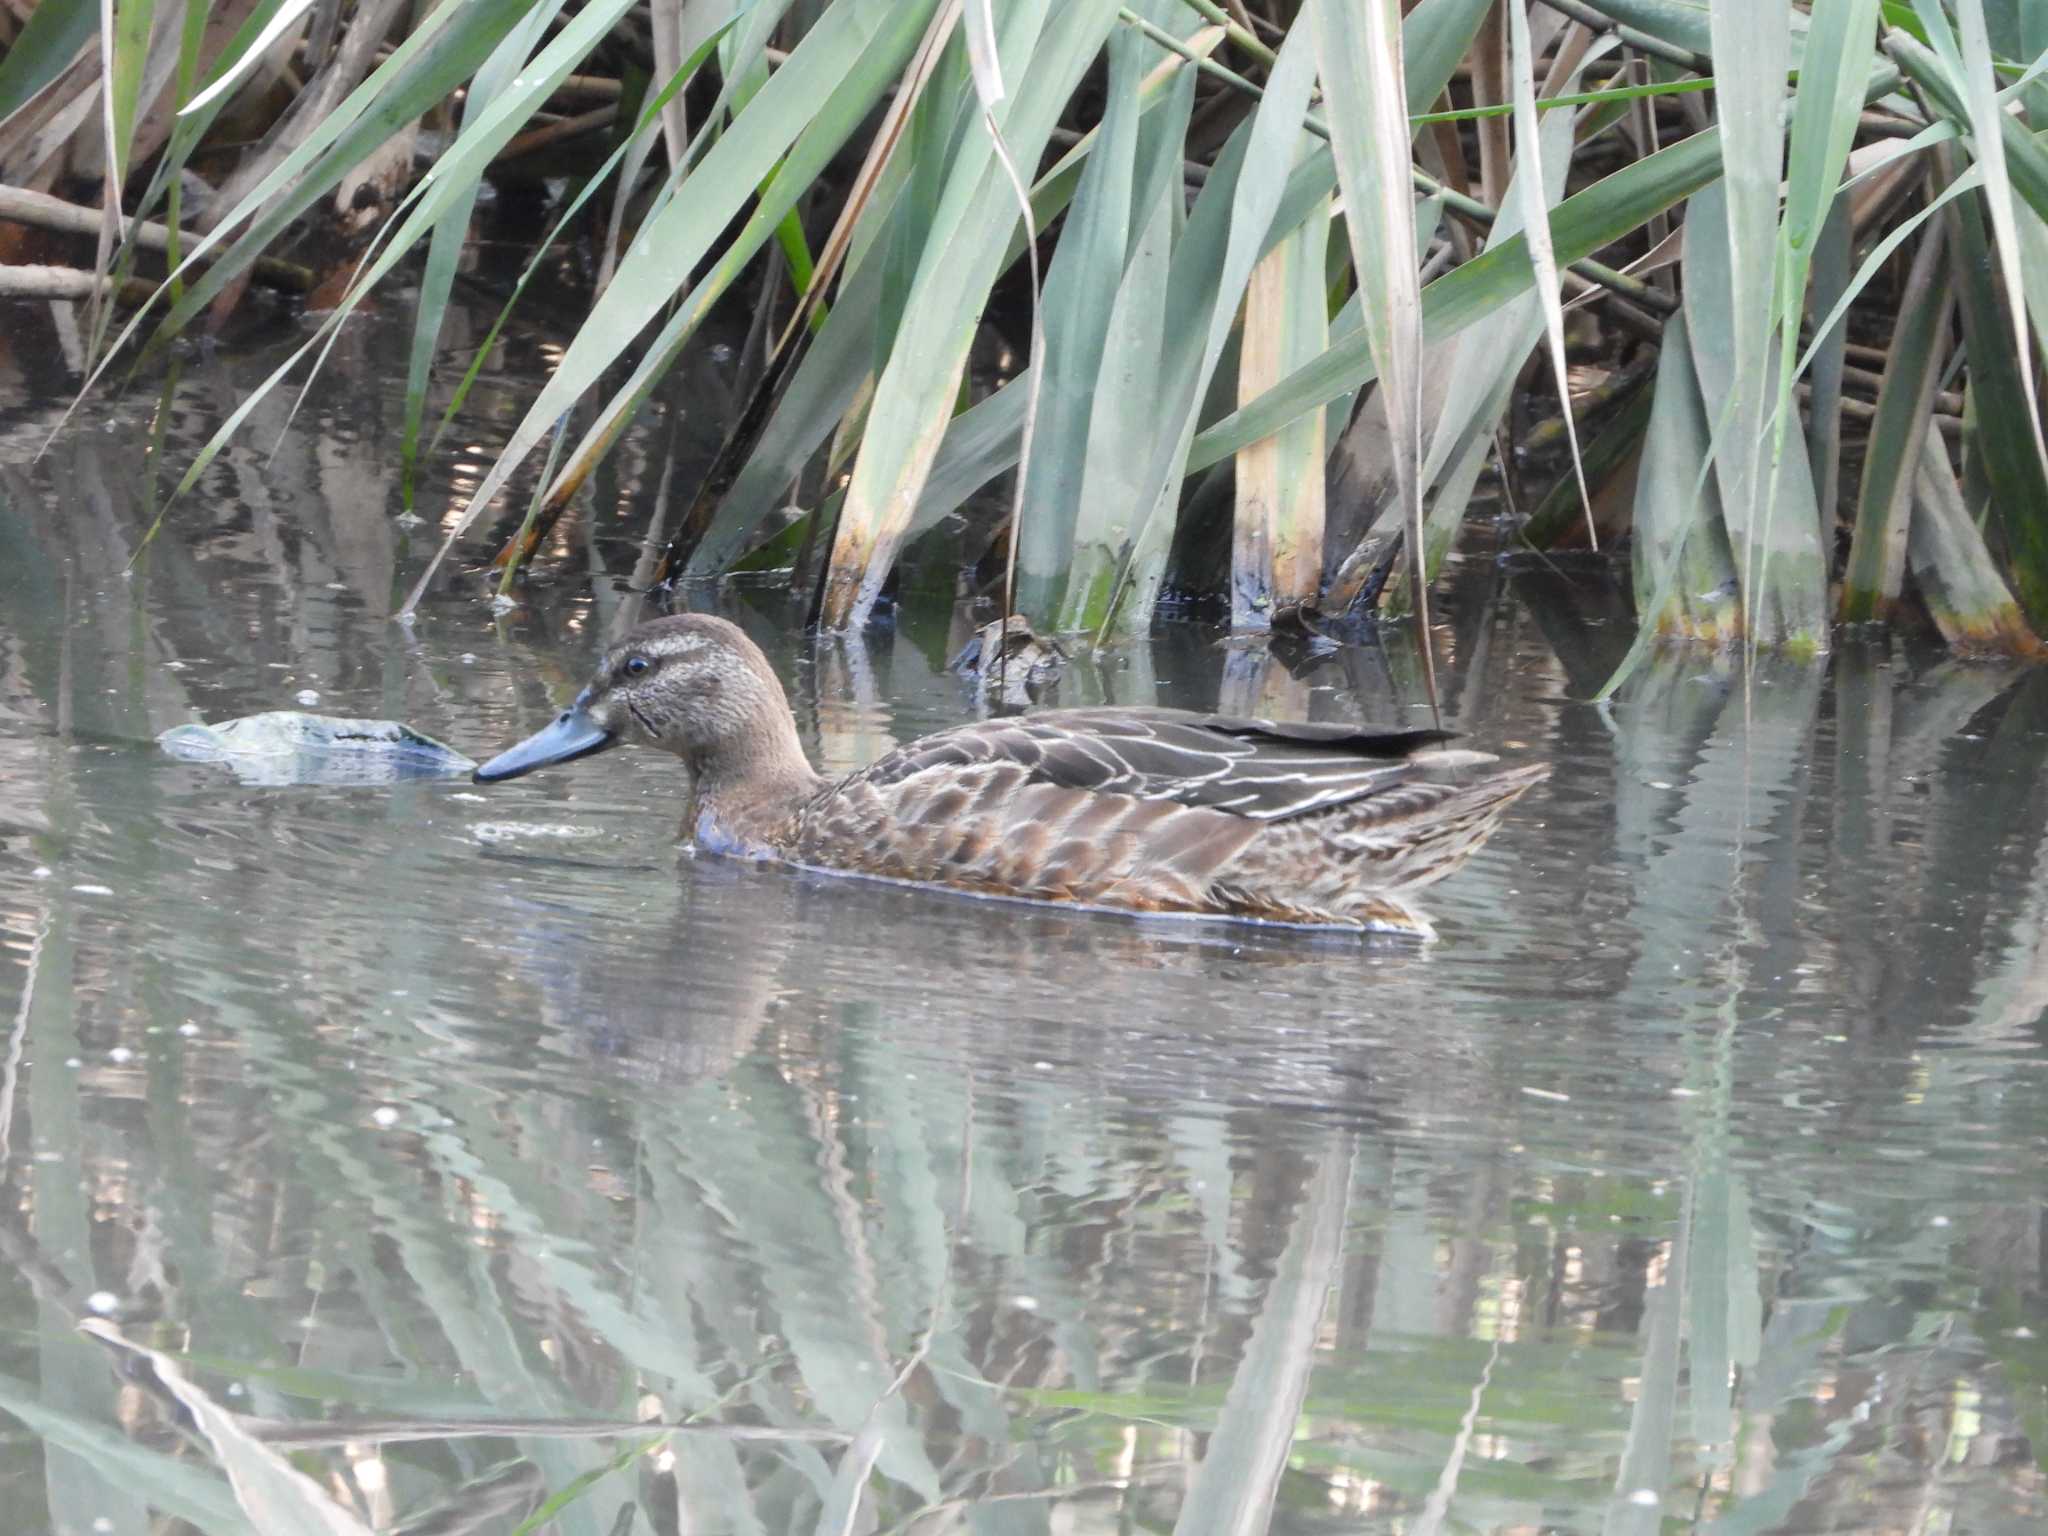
636, 666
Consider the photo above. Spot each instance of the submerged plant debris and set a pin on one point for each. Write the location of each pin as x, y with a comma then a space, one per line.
285, 746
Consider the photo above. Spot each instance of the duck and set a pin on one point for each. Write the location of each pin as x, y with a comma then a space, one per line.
1135, 809
1011, 666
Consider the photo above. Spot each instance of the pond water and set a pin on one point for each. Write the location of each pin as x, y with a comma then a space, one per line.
1693, 1180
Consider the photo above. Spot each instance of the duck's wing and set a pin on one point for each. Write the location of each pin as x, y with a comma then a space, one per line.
1258, 769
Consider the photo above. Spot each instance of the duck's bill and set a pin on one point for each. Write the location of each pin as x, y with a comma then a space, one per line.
572, 735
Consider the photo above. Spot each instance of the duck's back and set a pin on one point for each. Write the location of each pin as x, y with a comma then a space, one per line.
1166, 810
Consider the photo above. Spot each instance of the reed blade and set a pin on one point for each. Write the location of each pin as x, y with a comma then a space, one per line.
1359, 52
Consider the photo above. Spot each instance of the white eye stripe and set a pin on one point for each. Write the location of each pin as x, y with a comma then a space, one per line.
666, 649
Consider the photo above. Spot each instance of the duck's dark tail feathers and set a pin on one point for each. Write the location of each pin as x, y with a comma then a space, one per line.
1408, 847
1356, 864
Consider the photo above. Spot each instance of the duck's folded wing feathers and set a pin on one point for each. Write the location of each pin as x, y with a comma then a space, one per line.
1259, 769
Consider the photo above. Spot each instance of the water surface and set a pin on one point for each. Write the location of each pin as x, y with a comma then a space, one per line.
1694, 1180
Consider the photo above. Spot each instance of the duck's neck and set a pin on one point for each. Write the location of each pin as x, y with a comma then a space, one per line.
744, 792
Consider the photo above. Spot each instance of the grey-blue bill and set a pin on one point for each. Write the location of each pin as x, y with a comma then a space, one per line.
572, 734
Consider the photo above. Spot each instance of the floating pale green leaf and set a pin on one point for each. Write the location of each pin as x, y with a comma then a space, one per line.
290, 747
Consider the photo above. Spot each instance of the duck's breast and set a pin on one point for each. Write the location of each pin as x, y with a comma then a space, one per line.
711, 834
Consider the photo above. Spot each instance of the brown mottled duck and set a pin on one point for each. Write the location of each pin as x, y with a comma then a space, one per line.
1012, 667
1137, 809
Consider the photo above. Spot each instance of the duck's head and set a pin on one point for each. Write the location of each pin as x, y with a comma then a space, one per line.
691, 684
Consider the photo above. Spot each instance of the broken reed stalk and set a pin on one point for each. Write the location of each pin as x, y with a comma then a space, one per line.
44, 282
555, 133
39, 210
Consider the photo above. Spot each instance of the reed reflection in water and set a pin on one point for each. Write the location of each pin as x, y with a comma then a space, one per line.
1694, 1180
